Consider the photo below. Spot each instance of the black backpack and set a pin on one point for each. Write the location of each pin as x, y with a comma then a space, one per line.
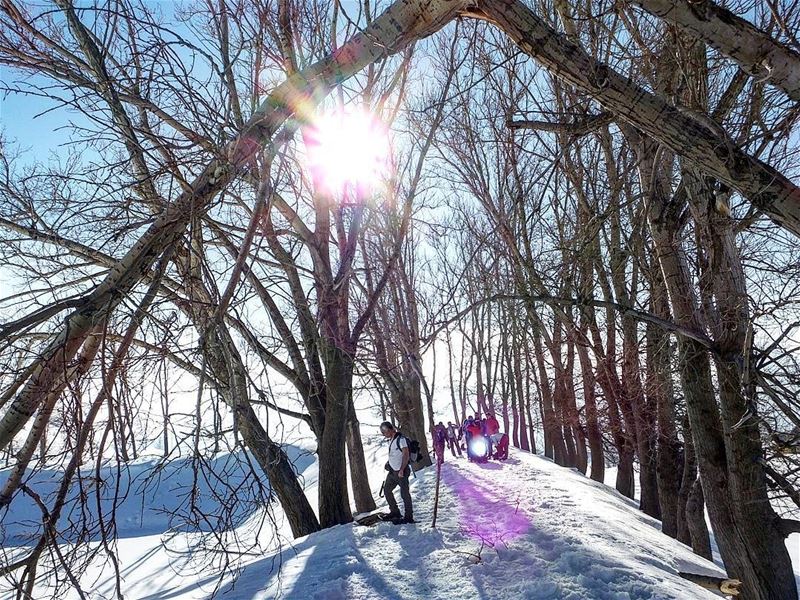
414, 453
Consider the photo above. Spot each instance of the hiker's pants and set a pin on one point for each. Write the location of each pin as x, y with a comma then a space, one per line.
438, 449
392, 481
452, 443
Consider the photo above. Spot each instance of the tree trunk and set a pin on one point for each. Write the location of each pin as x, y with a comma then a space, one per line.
590, 406
750, 543
659, 384
231, 377
334, 501
755, 518
453, 395
645, 447
688, 475
411, 417
555, 448
696, 520
561, 398
607, 378
524, 444
359, 479
282, 477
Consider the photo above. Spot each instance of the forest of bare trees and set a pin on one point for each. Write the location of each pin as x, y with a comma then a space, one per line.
589, 229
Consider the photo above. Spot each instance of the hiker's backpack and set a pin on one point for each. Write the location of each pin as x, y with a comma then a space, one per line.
441, 435
414, 453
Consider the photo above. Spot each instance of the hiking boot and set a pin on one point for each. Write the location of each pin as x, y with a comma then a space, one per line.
390, 516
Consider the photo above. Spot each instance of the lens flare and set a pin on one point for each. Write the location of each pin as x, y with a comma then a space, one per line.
349, 151
479, 447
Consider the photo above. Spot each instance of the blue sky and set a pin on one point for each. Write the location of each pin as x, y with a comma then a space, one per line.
24, 125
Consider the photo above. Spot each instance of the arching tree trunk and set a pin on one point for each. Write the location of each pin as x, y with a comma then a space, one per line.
231, 378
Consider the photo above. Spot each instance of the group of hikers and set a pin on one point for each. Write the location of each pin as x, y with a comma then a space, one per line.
480, 438
477, 437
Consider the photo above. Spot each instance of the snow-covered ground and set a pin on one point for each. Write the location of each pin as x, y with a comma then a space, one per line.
525, 528
522, 529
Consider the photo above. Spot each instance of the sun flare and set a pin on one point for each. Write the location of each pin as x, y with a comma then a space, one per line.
349, 151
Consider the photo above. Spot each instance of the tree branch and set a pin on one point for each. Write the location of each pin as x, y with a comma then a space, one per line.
579, 127
690, 134
789, 526
753, 49
639, 315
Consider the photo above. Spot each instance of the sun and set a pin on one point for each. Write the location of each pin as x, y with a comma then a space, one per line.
349, 152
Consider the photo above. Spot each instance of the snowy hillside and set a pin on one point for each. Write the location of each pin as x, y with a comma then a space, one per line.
522, 529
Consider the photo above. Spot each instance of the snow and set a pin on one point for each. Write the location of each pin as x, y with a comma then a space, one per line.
521, 529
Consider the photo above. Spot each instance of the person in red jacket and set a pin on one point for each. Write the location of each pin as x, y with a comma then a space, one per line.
475, 428
492, 426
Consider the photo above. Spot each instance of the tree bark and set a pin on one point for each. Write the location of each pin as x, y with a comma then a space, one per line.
334, 501
756, 521
39, 428
555, 448
231, 378
659, 388
524, 443
606, 377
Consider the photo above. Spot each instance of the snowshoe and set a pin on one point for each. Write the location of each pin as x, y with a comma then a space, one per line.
374, 518
368, 520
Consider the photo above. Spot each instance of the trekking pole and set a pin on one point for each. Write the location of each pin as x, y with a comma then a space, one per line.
436, 496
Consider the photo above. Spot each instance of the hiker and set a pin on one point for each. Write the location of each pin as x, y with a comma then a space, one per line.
501, 441
473, 432
439, 439
492, 426
465, 427
398, 472
485, 433
453, 438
